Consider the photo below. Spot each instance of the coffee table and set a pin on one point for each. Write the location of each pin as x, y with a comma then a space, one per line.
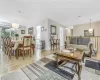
77, 57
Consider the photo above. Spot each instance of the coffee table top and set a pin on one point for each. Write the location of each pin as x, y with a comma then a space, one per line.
77, 55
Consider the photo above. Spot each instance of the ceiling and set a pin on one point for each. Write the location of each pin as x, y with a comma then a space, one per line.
66, 12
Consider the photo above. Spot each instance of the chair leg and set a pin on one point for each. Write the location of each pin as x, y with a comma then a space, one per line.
30, 52
23, 54
17, 54
53, 47
9, 53
33, 50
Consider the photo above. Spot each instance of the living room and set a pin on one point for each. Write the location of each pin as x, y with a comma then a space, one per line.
49, 40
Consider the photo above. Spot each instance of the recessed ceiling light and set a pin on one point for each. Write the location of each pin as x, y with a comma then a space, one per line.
20, 11
78, 16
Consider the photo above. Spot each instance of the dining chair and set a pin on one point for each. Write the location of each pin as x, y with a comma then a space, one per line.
4, 44
27, 42
10, 47
33, 44
55, 43
52, 44
58, 43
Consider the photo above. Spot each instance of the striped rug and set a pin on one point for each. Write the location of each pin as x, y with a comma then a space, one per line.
37, 71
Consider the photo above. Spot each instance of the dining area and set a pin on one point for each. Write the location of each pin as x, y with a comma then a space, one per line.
21, 47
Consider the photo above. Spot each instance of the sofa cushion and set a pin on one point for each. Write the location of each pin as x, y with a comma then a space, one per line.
85, 41
73, 40
78, 46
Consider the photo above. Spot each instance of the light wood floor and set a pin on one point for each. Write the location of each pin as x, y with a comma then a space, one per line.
15, 64
19, 63
97, 57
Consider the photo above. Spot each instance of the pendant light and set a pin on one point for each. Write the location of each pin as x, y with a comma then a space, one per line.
90, 29
15, 26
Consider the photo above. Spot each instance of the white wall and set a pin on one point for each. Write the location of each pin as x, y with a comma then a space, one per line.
78, 30
45, 35
58, 25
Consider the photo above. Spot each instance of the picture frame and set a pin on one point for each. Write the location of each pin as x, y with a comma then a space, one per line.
22, 31
42, 28
30, 30
53, 30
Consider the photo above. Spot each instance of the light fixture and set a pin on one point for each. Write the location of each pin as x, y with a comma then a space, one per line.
15, 26
90, 29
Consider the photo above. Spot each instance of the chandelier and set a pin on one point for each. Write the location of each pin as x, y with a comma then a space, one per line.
90, 29
15, 26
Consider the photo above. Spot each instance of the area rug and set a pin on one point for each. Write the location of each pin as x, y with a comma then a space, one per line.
52, 66
40, 71
93, 64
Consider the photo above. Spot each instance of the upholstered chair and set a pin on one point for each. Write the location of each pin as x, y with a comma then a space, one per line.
27, 42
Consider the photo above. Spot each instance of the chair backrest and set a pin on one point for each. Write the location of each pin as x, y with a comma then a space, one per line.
55, 40
51, 41
27, 41
4, 39
9, 43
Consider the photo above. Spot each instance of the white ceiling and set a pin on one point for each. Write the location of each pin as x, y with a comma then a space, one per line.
65, 12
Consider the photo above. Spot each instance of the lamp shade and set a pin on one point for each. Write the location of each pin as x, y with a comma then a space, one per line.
90, 30
15, 26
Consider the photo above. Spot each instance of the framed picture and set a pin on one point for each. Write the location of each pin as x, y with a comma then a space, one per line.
42, 28
53, 30
87, 33
22, 31
30, 30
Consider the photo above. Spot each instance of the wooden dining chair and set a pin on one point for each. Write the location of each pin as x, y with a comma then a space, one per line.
58, 43
27, 42
33, 45
10, 47
52, 44
4, 44
55, 43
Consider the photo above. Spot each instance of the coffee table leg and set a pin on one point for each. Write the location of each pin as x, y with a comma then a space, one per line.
57, 61
79, 71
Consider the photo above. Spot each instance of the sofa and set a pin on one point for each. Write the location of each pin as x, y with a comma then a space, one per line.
81, 43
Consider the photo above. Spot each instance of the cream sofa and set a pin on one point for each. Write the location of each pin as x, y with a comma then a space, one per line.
81, 43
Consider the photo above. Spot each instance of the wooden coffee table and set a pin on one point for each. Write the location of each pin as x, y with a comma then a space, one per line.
77, 57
